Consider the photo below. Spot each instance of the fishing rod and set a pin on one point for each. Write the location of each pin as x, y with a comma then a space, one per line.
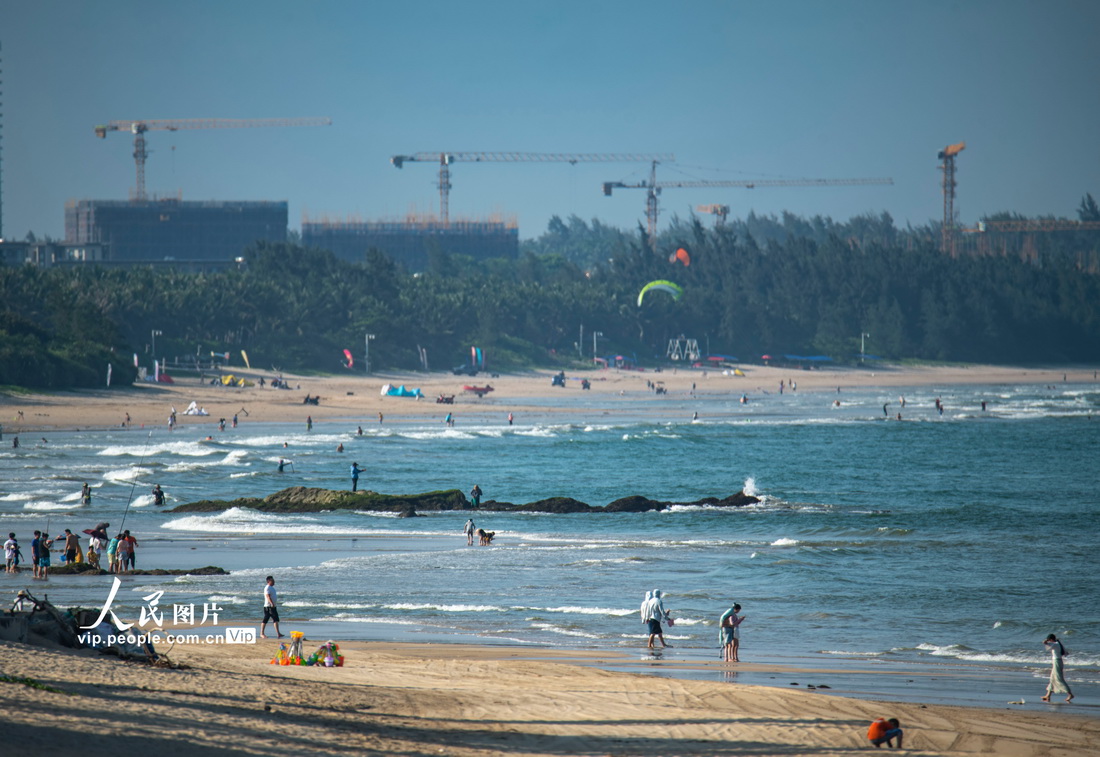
133, 486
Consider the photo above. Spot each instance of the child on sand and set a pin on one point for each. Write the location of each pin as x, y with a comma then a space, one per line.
882, 730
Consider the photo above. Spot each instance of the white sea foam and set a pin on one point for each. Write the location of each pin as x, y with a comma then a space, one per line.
749, 487
330, 605
241, 520
125, 475
44, 505
347, 618
572, 610
564, 631
186, 449
443, 608
785, 542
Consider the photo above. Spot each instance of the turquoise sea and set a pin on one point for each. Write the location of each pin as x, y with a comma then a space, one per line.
942, 542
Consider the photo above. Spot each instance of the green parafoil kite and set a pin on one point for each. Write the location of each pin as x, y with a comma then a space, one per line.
661, 286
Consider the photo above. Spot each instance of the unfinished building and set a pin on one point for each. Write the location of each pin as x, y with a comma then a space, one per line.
206, 235
411, 240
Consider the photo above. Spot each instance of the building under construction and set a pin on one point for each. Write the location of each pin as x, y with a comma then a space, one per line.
190, 235
410, 241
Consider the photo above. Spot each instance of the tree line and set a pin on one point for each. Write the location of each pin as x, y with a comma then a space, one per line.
762, 285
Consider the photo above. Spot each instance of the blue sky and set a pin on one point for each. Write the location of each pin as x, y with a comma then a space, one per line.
737, 90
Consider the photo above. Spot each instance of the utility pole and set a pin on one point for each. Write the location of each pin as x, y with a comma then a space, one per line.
154, 334
862, 337
595, 335
366, 353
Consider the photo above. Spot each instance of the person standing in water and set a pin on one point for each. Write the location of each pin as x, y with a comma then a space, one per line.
468, 529
355, 477
654, 613
730, 633
1057, 682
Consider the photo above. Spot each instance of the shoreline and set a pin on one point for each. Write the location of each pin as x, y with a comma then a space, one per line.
358, 399
393, 698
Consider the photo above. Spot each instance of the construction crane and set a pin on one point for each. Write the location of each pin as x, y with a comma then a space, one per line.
653, 189
720, 212
138, 129
947, 155
445, 159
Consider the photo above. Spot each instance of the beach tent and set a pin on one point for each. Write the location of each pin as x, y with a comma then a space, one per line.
400, 391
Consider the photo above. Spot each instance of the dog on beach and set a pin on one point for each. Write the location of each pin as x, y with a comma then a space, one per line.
485, 538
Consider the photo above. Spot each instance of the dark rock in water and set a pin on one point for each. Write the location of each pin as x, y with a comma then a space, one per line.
84, 569
301, 499
634, 504
558, 505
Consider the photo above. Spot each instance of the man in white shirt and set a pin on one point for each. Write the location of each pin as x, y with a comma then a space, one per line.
11, 552
271, 609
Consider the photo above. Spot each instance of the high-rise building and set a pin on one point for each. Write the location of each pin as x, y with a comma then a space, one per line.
208, 234
410, 241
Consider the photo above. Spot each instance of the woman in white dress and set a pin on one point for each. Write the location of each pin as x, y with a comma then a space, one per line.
1057, 682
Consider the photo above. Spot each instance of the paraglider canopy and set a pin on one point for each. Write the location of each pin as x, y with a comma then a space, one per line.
661, 286
682, 255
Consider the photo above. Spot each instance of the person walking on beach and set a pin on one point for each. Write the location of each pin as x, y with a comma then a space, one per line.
1057, 683
730, 633
655, 612
355, 477
271, 609
468, 529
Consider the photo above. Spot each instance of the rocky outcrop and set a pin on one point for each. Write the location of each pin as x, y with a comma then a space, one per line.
84, 569
300, 499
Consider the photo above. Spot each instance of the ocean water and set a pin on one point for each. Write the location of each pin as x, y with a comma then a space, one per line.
962, 537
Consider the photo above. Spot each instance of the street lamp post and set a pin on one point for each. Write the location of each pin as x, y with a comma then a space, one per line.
154, 334
595, 335
366, 359
862, 338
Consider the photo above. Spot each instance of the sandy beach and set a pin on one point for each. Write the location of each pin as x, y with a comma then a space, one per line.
358, 399
458, 700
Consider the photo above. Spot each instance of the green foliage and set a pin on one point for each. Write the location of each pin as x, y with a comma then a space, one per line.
762, 285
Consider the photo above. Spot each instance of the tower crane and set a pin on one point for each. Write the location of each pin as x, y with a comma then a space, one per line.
445, 159
653, 189
138, 129
947, 155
